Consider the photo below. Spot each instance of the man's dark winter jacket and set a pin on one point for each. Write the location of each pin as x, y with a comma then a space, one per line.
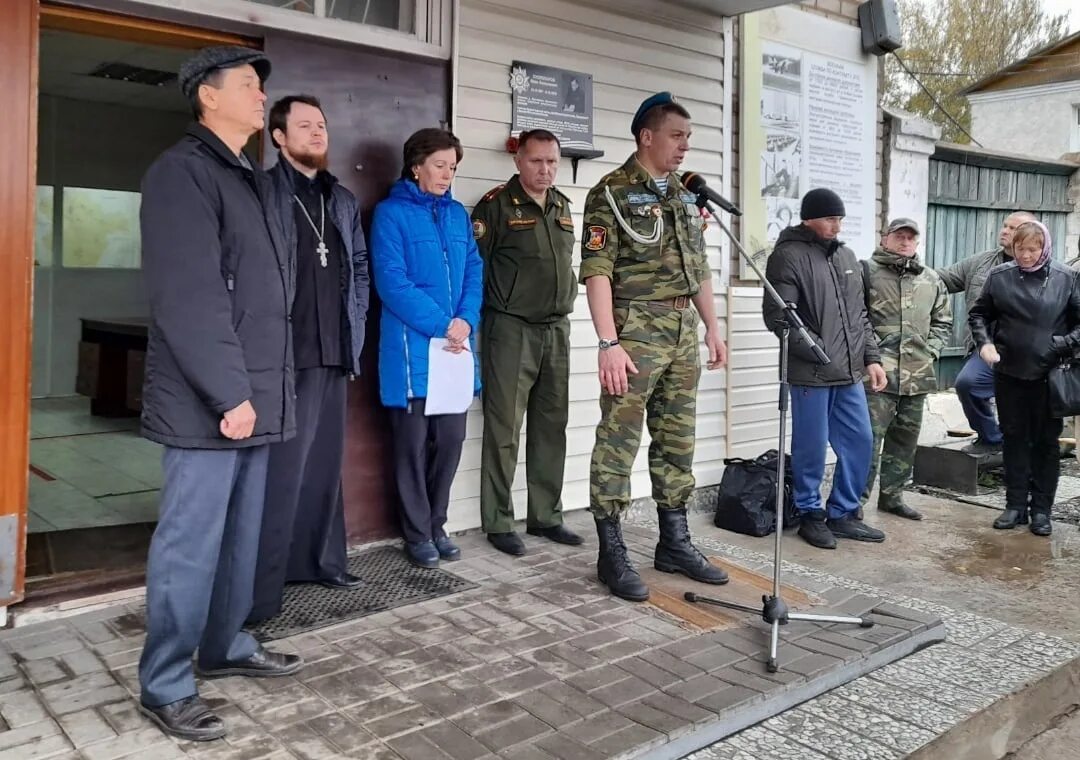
217, 275
825, 282
345, 216
1033, 318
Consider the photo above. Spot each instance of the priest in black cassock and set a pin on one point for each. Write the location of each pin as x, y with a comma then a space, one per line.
303, 530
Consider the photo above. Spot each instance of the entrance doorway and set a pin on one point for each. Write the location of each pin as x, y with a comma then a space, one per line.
108, 104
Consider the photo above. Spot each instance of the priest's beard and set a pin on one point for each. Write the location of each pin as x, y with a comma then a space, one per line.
316, 161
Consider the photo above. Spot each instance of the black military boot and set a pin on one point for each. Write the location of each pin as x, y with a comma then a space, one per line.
1012, 517
675, 553
894, 505
1040, 523
613, 566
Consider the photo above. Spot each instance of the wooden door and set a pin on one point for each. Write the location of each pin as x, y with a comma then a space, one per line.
18, 82
373, 101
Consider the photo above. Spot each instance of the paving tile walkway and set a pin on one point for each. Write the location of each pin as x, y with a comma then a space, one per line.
536, 663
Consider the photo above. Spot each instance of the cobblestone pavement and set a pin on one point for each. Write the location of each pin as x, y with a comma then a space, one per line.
538, 663
897, 709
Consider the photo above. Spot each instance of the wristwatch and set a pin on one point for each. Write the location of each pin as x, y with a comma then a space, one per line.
606, 344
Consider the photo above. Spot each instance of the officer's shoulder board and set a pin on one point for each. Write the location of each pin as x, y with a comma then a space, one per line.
493, 193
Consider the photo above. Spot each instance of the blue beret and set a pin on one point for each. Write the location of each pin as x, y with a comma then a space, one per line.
194, 69
659, 99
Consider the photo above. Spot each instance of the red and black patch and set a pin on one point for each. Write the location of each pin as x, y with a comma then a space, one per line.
595, 237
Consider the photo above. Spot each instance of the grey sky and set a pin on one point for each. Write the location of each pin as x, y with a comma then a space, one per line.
1064, 6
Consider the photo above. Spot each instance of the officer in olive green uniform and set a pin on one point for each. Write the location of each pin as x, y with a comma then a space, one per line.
643, 262
526, 237
908, 306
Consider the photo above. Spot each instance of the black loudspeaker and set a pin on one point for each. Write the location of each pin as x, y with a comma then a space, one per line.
880, 24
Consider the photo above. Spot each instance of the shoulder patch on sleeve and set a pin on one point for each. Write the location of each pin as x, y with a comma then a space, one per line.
596, 237
479, 229
493, 192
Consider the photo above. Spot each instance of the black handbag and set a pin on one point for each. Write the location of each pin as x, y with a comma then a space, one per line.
746, 499
1064, 384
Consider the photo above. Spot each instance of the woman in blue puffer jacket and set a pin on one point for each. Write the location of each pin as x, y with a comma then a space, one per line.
429, 276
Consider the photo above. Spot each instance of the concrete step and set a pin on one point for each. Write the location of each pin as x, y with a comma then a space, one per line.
1015, 724
947, 466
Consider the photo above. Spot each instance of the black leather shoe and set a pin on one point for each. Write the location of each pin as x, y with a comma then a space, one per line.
980, 448
189, 718
262, 664
1040, 524
344, 581
560, 534
508, 543
613, 567
675, 553
812, 530
897, 507
856, 530
447, 549
1010, 518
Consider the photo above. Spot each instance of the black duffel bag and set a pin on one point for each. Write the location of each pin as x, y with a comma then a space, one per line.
746, 501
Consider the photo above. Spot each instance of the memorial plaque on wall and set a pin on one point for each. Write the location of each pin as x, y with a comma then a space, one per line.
557, 100
816, 126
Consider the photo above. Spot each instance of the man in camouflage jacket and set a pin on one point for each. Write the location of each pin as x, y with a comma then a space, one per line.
908, 306
643, 264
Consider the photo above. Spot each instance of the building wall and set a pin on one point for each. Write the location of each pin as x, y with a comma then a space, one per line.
1037, 122
630, 55
753, 375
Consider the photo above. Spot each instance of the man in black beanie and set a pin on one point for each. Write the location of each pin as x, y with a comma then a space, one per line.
812, 269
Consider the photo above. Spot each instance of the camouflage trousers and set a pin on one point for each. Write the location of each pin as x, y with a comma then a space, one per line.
663, 344
896, 421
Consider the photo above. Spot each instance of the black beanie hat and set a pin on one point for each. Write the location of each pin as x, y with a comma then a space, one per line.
821, 202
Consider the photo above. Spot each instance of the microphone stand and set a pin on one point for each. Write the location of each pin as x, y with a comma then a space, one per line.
774, 610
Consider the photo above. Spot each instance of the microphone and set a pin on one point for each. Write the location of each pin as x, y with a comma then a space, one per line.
696, 184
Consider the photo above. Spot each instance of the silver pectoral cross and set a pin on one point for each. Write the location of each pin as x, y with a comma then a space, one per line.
322, 250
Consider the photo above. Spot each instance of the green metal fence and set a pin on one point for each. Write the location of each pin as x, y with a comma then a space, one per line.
970, 194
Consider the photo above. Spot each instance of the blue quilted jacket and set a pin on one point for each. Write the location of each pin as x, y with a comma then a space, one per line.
427, 271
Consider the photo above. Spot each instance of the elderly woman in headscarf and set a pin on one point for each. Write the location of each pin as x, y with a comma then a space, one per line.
1026, 320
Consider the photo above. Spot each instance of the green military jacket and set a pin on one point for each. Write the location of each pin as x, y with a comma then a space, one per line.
528, 253
672, 263
909, 308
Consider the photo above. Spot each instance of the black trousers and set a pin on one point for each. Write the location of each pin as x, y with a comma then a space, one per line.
427, 451
1030, 442
303, 527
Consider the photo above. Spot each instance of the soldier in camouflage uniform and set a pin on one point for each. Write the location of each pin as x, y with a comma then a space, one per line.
908, 306
643, 263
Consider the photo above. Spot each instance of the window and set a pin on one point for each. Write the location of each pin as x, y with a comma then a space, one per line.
389, 14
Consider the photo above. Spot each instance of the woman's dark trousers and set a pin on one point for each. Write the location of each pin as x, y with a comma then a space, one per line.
427, 451
1030, 442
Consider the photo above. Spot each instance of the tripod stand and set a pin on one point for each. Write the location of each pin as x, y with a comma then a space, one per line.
774, 610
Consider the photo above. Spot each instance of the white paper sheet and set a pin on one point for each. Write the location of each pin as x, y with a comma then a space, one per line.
450, 379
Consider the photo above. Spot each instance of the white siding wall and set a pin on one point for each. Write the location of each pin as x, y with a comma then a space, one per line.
629, 59
1002, 120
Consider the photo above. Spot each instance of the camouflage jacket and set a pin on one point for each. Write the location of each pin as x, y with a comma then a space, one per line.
674, 265
909, 308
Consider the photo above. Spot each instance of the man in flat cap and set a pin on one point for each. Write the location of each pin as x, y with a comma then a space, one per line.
218, 389
643, 264
909, 308
812, 269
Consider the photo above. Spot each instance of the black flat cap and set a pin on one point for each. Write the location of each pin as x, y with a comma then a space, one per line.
194, 69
